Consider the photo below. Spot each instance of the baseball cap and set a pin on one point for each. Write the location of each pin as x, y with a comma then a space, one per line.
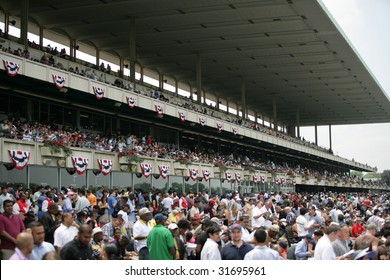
159, 217
274, 228
96, 230
308, 236
172, 226
212, 201
235, 226
143, 211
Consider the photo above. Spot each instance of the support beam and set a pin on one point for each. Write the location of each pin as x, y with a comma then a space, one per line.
198, 78
121, 63
24, 11
243, 98
133, 54
97, 58
6, 24
298, 124
316, 135
330, 138
176, 87
41, 28
275, 113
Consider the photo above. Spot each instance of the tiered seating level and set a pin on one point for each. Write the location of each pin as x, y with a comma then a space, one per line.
43, 156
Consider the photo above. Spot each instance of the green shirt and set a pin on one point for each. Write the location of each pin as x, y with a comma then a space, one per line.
159, 241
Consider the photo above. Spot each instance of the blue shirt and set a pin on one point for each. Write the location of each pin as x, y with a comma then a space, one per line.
301, 250
132, 217
231, 252
39, 251
111, 201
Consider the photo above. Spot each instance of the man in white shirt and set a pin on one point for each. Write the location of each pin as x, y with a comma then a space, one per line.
65, 233
324, 248
257, 215
261, 250
141, 230
210, 250
302, 224
124, 214
167, 202
41, 247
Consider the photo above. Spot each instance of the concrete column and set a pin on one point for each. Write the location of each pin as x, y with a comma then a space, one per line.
176, 87
161, 81
142, 75
243, 101
237, 109
298, 124
198, 77
316, 135
191, 92
41, 36
330, 137
275, 114
97, 58
256, 117
262, 119
71, 47
24, 9
121, 62
6, 24
227, 105
133, 54
217, 107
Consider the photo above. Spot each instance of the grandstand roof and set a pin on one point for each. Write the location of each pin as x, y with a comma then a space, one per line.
287, 49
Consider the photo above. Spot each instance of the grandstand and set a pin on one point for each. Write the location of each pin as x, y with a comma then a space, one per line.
254, 72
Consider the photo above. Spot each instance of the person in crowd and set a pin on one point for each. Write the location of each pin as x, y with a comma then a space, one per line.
65, 232
141, 231
50, 222
180, 251
79, 248
97, 243
41, 247
313, 219
304, 248
324, 249
160, 241
108, 229
236, 249
210, 250
10, 226
24, 246
341, 244
261, 250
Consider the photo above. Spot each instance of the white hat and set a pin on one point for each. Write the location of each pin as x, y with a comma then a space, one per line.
96, 230
172, 226
143, 211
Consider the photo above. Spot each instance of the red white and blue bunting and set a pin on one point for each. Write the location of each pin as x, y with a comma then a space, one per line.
146, 169
234, 130
80, 164
228, 176
99, 92
11, 68
282, 181
206, 174
164, 171
159, 110
131, 101
19, 158
238, 177
105, 166
202, 121
294, 183
263, 179
255, 179
58, 81
219, 127
193, 174
182, 116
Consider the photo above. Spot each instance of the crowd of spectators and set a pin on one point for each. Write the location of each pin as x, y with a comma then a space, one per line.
80, 224
97, 73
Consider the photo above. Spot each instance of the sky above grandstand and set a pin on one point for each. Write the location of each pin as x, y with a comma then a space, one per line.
365, 23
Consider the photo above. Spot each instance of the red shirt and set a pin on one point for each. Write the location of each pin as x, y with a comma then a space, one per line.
13, 225
367, 202
357, 228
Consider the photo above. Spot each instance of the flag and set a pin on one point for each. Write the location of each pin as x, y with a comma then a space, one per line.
99, 92
80, 164
193, 174
255, 179
202, 121
58, 81
164, 171
11, 68
182, 116
146, 169
159, 110
228, 176
105, 166
294, 182
234, 130
206, 174
263, 179
219, 127
130, 101
238, 177
19, 158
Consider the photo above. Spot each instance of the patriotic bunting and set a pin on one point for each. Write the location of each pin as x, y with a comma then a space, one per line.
80, 164
206, 175
234, 130
255, 179
282, 181
238, 177
146, 169
130, 101
105, 166
19, 158
263, 179
202, 121
182, 116
159, 110
58, 81
11, 68
294, 183
219, 127
164, 171
228, 176
99, 92
193, 174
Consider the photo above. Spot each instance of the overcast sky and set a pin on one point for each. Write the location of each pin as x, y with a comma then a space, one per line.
366, 24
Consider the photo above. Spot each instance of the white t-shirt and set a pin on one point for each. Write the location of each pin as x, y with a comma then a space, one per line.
168, 202
140, 228
210, 251
324, 249
124, 217
301, 224
64, 234
259, 222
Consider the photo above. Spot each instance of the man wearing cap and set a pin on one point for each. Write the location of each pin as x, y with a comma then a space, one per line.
236, 249
97, 243
261, 250
160, 241
304, 248
179, 245
210, 250
141, 230
208, 209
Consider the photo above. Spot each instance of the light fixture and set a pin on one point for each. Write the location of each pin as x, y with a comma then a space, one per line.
117, 104
13, 22
126, 65
77, 47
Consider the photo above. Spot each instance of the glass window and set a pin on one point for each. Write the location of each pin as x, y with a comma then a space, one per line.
41, 175
70, 117
122, 180
4, 110
98, 180
18, 107
142, 182
57, 115
74, 180
13, 176
43, 112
